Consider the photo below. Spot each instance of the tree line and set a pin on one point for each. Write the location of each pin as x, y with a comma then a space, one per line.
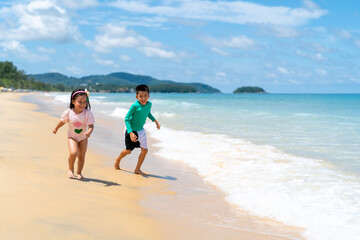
11, 77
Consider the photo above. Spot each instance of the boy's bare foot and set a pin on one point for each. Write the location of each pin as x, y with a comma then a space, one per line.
79, 176
140, 172
71, 174
117, 164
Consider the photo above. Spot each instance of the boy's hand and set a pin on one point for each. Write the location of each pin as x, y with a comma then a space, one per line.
158, 125
133, 137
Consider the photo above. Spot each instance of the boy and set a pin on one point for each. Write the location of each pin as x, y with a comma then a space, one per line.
135, 135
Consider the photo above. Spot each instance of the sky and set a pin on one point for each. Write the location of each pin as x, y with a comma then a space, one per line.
294, 46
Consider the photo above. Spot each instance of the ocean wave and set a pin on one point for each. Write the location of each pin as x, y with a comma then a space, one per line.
119, 112
267, 182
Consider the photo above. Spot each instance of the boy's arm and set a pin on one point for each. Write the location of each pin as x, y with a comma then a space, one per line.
151, 117
127, 119
59, 125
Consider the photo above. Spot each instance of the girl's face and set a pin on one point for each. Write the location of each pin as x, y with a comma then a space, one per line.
79, 103
143, 97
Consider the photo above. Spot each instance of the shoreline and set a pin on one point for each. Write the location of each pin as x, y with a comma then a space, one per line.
173, 199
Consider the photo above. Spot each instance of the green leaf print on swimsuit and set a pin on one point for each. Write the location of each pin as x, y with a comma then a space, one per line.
78, 131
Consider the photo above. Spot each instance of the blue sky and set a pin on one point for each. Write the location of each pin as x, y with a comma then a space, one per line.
297, 46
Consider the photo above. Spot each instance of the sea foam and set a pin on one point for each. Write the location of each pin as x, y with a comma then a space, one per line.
267, 182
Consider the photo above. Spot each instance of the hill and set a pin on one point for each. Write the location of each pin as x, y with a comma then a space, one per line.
249, 90
123, 82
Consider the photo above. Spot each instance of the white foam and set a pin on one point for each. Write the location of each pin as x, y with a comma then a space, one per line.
297, 191
119, 112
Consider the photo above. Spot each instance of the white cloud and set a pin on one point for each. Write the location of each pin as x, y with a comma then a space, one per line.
320, 57
321, 72
343, 34
157, 52
221, 74
78, 4
46, 50
13, 46
239, 42
19, 50
112, 36
301, 53
73, 70
104, 62
294, 81
38, 20
270, 75
310, 4
125, 58
279, 31
219, 51
238, 12
283, 70
357, 43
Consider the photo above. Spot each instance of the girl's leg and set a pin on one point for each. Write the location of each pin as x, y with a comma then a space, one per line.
81, 157
140, 161
121, 156
73, 150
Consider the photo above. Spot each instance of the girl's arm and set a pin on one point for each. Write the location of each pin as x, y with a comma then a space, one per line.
89, 131
59, 125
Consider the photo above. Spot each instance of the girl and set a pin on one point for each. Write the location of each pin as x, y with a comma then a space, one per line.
80, 118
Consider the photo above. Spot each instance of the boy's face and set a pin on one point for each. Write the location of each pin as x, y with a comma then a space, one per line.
143, 97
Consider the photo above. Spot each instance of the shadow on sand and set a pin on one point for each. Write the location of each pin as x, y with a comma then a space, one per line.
106, 183
152, 175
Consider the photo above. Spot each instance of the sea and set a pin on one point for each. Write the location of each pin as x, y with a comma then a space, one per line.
293, 158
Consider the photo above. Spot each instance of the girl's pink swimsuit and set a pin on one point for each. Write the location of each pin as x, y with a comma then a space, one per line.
78, 123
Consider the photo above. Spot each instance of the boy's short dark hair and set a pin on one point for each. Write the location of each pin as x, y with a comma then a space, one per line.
142, 88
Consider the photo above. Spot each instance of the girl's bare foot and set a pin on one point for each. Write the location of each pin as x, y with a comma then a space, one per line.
71, 174
79, 176
140, 172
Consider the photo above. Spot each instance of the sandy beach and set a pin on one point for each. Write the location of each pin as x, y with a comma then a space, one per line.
38, 201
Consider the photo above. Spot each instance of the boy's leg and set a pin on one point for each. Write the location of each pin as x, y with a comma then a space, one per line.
81, 157
73, 149
140, 161
121, 156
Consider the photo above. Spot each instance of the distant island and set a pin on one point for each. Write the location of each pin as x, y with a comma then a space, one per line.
249, 90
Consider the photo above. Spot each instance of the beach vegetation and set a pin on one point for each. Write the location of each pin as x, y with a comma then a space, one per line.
12, 78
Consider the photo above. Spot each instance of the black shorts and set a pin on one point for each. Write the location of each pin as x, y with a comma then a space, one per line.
130, 145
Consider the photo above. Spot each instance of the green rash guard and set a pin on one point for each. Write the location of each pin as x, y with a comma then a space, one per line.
136, 117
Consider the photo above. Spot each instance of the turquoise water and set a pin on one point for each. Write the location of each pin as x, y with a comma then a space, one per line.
317, 126
292, 158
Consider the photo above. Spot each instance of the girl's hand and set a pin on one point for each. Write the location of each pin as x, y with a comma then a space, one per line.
89, 131
133, 137
54, 131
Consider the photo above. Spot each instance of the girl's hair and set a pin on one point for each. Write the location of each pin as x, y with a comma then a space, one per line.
79, 92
